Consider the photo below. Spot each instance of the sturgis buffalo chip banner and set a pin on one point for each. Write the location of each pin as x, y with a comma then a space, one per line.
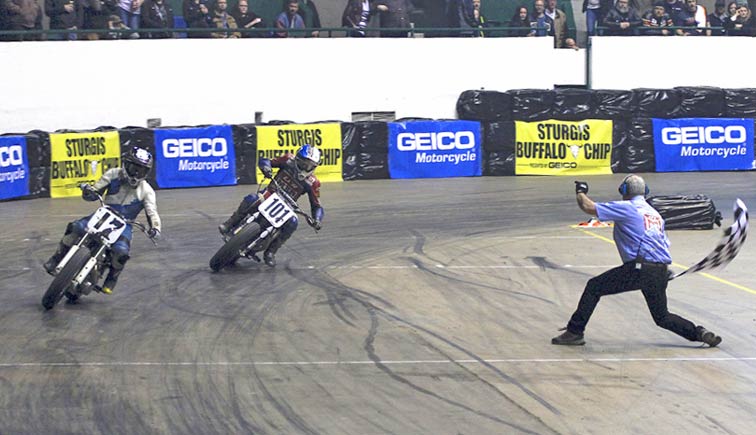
14, 167
276, 140
563, 147
434, 149
703, 144
81, 158
194, 157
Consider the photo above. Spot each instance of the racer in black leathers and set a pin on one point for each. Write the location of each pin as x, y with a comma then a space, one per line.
295, 176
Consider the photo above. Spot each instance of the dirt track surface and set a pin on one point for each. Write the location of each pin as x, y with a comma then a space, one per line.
422, 307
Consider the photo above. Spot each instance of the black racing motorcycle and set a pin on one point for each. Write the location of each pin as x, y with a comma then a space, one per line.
88, 261
257, 230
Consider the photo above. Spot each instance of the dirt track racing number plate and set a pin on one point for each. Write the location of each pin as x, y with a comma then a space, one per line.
107, 223
276, 210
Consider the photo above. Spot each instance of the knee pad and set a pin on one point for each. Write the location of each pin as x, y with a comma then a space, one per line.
289, 227
119, 253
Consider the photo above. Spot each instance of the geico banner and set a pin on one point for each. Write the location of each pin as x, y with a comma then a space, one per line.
563, 147
703, 144
434, 149
276, 140
194, 157
14, 167
81, 158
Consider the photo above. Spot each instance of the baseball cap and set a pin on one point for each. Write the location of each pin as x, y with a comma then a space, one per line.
719, 3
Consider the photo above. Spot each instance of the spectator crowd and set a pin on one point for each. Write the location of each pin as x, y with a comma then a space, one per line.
156, 19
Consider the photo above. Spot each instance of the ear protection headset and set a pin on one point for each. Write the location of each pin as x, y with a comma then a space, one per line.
623, 187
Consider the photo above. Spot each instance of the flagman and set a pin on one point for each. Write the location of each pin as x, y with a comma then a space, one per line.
644, 248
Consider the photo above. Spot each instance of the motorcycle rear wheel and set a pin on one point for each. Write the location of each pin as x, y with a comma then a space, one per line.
63, 279
230, 252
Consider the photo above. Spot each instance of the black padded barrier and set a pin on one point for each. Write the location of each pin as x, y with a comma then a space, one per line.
656, 103
245, 151
532, 104
481, 105
700, 102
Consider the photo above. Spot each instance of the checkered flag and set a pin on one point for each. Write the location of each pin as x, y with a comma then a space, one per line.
729, 246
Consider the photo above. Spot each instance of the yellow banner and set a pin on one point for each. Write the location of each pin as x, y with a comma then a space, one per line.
81, 158
563, 147
276, 140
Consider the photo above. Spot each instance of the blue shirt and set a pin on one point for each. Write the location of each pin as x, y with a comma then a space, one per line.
638, 230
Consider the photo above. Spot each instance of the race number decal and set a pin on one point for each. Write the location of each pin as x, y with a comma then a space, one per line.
275, 210
106, 223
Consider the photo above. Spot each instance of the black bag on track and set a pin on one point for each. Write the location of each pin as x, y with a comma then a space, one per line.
680, 212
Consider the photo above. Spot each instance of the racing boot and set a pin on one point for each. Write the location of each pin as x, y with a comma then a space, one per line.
65, 244
110, 282
707, 337
236, 217
269, 256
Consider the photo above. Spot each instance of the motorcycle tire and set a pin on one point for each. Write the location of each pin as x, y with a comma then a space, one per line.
229, 252
63, 279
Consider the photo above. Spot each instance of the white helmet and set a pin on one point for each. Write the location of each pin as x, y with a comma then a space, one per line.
306, 160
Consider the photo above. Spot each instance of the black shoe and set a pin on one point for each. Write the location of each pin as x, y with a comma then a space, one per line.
567, 338
50, 265
269, 258
224, 229
72, 298
708, 337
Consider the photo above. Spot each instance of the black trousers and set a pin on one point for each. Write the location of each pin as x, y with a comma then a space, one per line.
651, 279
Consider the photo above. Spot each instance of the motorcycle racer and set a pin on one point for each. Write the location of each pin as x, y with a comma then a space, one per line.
128, 193
295, 176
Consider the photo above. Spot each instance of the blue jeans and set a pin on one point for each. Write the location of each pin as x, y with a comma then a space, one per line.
592, 17
130, 19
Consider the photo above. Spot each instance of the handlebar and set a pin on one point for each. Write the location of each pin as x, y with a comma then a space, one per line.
294, 205
141, 226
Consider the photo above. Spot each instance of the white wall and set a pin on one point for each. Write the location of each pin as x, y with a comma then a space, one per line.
667, 61
85, 84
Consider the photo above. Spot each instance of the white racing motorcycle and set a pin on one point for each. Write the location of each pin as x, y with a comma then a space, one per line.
256, 232
85, 264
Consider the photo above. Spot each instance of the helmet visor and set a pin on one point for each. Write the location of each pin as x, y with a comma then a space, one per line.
136, 171
306, 165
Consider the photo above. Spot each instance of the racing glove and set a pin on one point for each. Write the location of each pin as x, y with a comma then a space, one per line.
88, 192
154, 234
267, 171
581, 187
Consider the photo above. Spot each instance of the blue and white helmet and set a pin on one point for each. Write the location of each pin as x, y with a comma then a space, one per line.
307, 159
137, 164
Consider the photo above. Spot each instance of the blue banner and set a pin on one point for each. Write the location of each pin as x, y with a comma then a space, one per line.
192, 157
434, 149
14, 167
703, 144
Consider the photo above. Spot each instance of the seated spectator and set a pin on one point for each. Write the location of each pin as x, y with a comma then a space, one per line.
570, 43
157, 14
539, 21
743, 23
674, 7
394, 14
246, 19
114, 22
21, 15
197, 16
622, 20
693, 17
95, 15
223, 20
718, 17
520, 23
356, 17
290, 19
63, 16
309, 14
656, 21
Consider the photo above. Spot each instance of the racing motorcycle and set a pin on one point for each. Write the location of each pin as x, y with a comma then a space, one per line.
256, 231
87, 262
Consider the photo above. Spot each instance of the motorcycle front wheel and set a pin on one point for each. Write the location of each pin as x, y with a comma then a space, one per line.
229, 252
63, 279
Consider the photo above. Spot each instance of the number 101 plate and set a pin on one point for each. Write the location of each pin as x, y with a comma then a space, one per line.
276, 210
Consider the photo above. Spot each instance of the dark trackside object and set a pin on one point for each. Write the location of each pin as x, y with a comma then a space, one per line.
687, 212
